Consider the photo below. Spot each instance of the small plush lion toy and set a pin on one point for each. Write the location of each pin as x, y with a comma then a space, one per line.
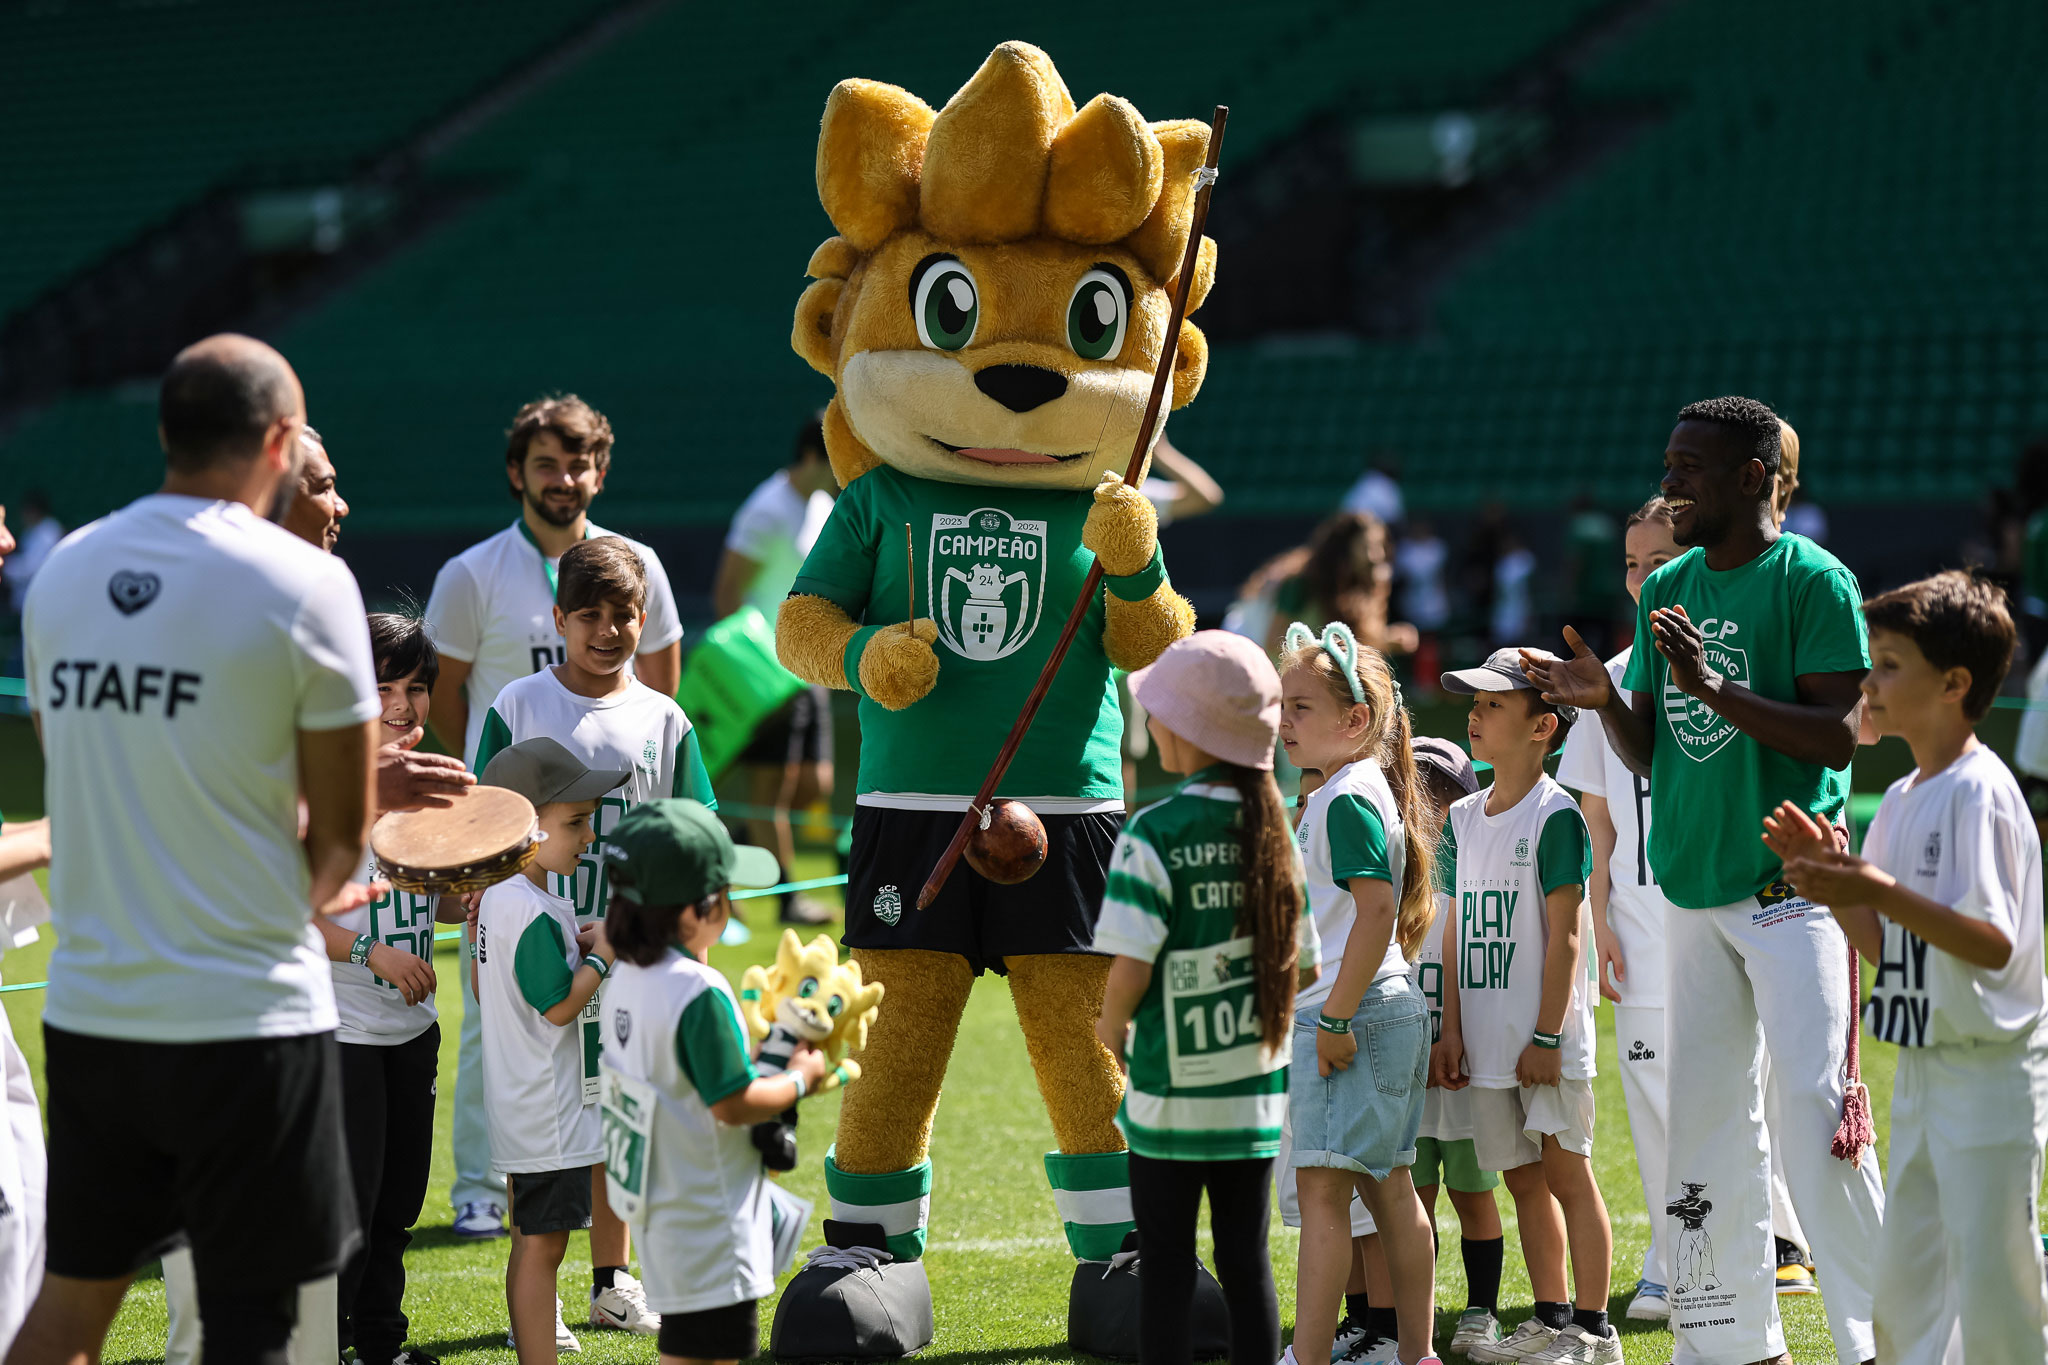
810, 996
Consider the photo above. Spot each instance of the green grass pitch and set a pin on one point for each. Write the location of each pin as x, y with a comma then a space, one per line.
998, 1263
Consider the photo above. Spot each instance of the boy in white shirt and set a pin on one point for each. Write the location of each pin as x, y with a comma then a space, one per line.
1948, 907
1518, 1008
593, 706
535, 971
681, 1090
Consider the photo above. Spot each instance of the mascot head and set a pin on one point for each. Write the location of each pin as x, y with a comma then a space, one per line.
813, 994
995, 303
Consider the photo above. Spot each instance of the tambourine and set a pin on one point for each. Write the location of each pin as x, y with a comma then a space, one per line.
487, 835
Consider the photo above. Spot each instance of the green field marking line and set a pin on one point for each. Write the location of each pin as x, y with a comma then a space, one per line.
450, 935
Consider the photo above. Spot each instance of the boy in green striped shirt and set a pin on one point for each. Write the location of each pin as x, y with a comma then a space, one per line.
1207, 916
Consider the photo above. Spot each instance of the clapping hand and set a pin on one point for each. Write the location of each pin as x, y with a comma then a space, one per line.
1580, 680
354, 896
1682, 645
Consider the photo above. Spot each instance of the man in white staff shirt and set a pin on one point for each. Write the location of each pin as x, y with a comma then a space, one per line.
195, 671
492, 613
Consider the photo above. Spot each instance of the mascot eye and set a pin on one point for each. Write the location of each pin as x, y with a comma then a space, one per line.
807, 988
834, 1005
946, 304
1097, 316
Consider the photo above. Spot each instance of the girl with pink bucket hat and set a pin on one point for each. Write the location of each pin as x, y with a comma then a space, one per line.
1207, 916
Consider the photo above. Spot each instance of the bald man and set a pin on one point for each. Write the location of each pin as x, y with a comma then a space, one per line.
311, 506
196, 672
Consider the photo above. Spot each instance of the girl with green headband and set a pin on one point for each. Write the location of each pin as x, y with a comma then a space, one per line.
1367, 842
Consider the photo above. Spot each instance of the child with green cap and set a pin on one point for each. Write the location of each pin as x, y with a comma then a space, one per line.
680, 1090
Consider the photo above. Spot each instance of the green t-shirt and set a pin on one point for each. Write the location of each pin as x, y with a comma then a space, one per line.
1202, 1086
1792, 610
711, 1047
998, 570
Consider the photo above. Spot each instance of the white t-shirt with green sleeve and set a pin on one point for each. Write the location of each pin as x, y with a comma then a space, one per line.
707, 1241
636, 729
1203, 1085
539, 1077
371, 1009
1504, 867
1350, 827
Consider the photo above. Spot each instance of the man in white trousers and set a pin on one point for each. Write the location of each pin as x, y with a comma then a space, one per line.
1742, 692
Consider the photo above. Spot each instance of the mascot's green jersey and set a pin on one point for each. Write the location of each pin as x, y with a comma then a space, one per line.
998, 570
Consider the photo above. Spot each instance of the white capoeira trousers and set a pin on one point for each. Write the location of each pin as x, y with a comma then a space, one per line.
1961, 1236
1739, 980
1639, 1043
24, 1180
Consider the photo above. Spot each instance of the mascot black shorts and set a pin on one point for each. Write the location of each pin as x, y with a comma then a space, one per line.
895, 850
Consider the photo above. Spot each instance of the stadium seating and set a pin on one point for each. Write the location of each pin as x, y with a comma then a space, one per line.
655, 208
118, 115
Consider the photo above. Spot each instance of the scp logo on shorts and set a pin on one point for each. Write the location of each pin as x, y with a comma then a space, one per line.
889, 905
1701, 732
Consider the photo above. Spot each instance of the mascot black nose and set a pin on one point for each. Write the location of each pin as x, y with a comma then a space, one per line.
1020, 388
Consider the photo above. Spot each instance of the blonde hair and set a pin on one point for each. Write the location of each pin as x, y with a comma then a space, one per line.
1788, 471
1389, 741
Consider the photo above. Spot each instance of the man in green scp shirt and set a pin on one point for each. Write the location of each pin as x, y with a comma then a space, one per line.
1748, 698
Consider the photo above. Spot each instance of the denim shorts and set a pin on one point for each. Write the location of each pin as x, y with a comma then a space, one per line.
1365, 1117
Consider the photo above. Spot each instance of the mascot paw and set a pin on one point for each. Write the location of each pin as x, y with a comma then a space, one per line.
1122, 527
846, 1073
899, 665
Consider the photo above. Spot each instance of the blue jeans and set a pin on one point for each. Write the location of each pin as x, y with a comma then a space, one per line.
1365, 1117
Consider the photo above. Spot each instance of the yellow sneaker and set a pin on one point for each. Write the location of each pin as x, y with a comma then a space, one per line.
1795, 1276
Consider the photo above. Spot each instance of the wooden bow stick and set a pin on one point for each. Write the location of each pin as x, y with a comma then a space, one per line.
1206, 181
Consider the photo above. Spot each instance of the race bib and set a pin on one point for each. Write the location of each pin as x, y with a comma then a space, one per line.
593, 1045
626, 1109
1212, 1013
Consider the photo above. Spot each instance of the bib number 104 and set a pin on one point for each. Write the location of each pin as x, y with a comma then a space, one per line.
1212, 1005
1221, 1021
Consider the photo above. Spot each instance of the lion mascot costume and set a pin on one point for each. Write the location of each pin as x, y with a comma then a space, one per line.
991, 312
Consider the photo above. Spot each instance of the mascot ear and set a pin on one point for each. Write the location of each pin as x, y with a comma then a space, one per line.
1205, 274
870, 151
1190, 364
1105, 174
811, 337
986, 160
1162, 237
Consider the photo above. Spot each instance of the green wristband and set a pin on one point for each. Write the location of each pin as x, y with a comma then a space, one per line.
1136, 587
596, 964
1549, 1041
359, 951
1329, 1025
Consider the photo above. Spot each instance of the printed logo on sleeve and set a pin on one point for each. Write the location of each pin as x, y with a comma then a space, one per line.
1701, 731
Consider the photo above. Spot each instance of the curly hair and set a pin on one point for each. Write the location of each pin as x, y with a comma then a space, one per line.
1748, 418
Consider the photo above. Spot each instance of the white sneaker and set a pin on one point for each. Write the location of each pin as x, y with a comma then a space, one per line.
1381, 1352
1576, 1346
1350, 1336
624, 1306
565, 1340
1651, 1303
480, 1219
1476, 1327
1529, 1337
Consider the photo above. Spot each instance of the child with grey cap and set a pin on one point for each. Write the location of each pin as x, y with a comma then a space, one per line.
680, 1090
534, 973
1518, 1008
